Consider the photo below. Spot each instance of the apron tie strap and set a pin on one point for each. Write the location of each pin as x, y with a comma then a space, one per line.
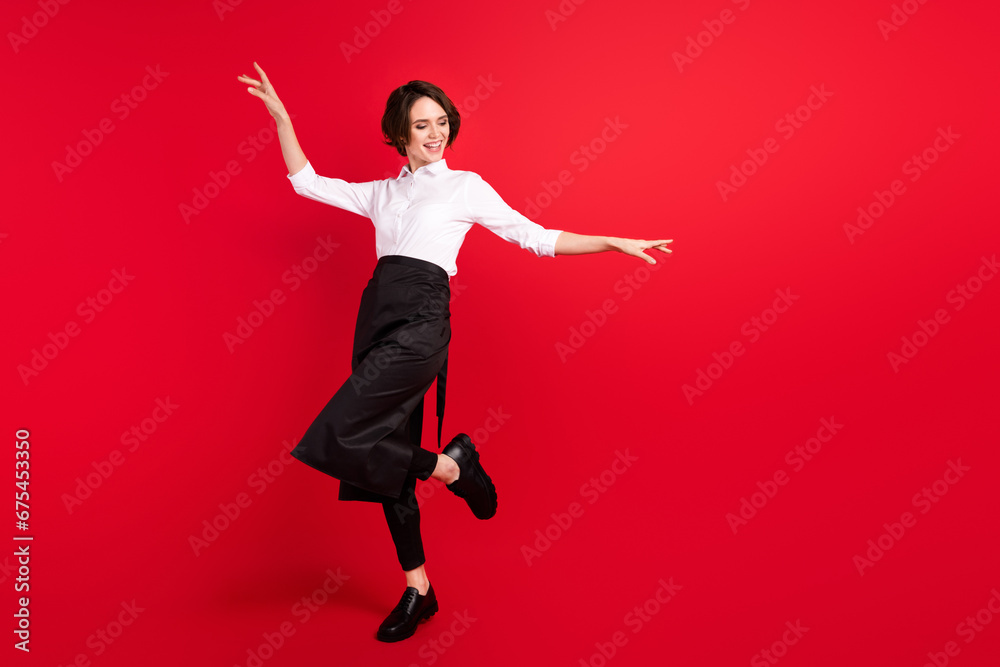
442, 382
417, 417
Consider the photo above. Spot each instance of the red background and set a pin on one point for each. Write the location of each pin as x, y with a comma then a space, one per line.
553, 85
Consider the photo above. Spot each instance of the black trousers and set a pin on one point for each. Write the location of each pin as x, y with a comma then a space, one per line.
402, 515
368, 434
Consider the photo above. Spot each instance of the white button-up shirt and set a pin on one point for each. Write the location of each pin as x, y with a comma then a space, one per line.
427, 215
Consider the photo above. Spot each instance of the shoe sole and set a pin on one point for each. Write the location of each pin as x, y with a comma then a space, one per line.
430, 611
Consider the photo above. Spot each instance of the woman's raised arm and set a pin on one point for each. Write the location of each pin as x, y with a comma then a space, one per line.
295, 159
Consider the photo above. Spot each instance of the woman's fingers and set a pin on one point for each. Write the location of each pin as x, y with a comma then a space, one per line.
262, 86
635, 248
263, 78
638, 248
246, 79
659, 245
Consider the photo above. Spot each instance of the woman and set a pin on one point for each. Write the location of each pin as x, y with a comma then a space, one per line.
368, 435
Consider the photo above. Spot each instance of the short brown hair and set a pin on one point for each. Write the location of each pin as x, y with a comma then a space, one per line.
396, 119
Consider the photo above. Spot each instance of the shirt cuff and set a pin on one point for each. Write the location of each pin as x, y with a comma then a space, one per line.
303, 177
547, 244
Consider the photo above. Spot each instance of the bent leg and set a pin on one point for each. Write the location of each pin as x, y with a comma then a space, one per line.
360, 436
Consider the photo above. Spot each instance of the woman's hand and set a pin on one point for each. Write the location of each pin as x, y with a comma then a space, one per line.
568, 243
265, 91
295, 159
635, 247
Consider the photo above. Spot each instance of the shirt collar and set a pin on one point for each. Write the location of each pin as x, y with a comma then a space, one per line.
439, 166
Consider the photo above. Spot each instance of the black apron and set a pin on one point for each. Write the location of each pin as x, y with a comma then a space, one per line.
366, 434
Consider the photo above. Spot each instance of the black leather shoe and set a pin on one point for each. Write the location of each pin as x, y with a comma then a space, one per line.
412, 608
473, 484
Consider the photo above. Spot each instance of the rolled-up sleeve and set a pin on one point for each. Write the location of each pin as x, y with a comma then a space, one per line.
489, 210
353, 197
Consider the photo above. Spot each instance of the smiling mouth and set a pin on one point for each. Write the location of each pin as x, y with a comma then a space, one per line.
433, 147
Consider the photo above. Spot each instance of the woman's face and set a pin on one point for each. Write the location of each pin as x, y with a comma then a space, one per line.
428, 133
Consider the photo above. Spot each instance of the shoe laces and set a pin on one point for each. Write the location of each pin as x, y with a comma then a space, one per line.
408, 597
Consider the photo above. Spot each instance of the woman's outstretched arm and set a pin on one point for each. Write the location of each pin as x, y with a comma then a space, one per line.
353, 197
295, 159
568, 243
